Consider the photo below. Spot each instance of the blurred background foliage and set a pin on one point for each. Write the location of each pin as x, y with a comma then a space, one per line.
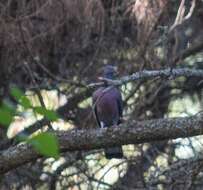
52, 50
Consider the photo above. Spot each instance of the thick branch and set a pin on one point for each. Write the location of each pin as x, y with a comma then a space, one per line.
128, 133
143, 75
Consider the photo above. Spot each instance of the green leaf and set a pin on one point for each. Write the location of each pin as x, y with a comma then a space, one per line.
6, 105
25, 102
5, 117
16, 93
49, 114
21, 98
46, 144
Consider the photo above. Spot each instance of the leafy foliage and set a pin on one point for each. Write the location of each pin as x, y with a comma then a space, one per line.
21, 98
45, 143
5, 117
7, 113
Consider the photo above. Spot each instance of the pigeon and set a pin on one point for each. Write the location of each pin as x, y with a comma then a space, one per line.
108, 108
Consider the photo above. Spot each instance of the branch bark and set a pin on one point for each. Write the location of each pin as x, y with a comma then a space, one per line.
128, 133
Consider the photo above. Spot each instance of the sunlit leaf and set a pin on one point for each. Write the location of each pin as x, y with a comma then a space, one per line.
46, 144
25, 102
21, 98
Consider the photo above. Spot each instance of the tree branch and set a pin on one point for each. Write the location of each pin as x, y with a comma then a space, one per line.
142, 75
128, 133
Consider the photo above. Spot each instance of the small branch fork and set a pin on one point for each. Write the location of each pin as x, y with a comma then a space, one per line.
180, 18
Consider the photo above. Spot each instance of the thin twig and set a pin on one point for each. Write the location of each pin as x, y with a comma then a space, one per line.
180, 18
30, 72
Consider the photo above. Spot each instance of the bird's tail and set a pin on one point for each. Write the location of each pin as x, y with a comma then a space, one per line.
114, 152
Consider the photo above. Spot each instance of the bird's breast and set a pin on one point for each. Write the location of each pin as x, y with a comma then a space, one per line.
107, 109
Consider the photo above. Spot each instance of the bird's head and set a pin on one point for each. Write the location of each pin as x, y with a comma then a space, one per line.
110, 72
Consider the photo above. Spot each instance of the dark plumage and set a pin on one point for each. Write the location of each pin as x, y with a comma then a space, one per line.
107, 104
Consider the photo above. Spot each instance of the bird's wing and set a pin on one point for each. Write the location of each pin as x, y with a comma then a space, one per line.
94, 107
120, 103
